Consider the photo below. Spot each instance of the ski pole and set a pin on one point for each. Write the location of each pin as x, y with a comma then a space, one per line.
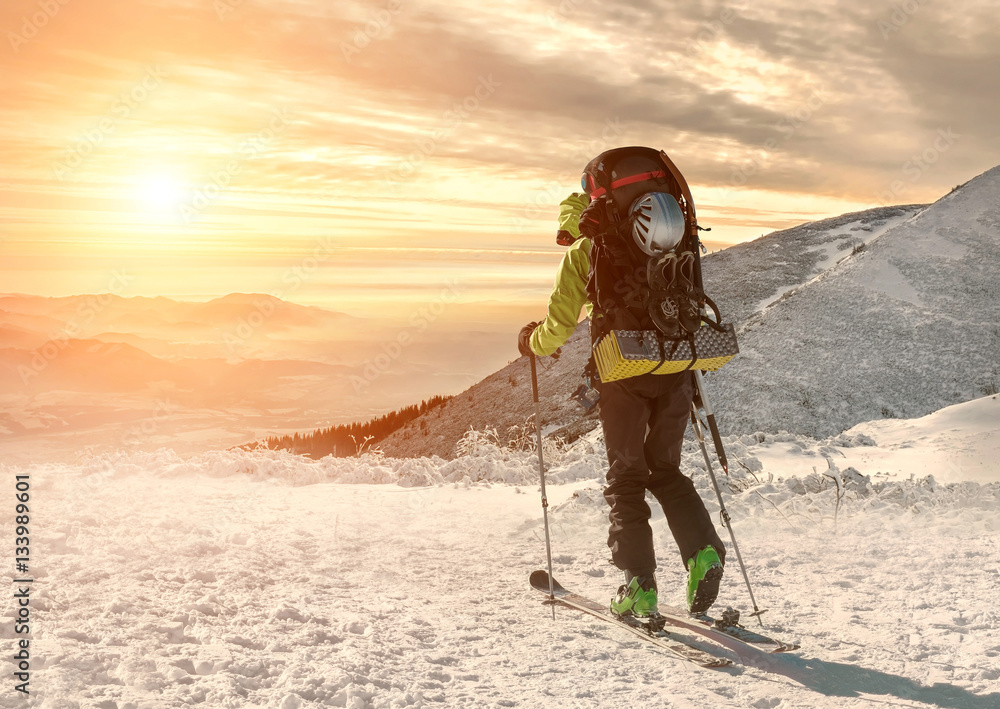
541, 475
726, 520
712, 425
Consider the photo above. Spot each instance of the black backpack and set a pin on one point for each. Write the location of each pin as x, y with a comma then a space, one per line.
653, 303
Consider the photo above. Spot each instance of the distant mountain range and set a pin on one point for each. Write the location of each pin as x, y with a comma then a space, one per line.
238, 324
79, 371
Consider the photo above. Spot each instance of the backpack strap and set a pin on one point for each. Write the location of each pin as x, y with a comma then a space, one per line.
714, 324
631, 179
694, 352
663, 352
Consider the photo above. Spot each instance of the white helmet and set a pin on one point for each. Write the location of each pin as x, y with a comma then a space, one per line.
657, 223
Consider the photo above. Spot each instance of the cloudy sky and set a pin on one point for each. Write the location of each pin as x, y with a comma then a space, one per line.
363, 155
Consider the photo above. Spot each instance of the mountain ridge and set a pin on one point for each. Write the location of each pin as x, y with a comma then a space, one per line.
903, 329
746, 281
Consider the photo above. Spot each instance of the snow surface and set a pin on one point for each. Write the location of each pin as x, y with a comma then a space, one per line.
955, 444
839, 243
900, 329
261, 579
746, 278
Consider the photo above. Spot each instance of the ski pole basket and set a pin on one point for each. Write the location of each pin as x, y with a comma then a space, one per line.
621, 354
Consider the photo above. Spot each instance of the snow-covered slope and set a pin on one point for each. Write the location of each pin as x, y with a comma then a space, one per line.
903, 328
746, 278
957, 443
243, 579
501, 401
741, 279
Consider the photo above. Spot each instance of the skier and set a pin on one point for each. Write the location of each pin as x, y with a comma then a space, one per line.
644, 419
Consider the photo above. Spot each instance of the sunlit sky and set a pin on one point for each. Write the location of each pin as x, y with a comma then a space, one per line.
359, 155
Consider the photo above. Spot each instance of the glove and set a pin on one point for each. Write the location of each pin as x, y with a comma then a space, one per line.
564, 238
524, 338
594, 219
569, 218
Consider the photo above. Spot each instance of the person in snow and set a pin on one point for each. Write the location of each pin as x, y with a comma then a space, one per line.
644, 419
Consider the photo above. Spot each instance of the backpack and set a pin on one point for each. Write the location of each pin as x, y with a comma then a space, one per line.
646, 288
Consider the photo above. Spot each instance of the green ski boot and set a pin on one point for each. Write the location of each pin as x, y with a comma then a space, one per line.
704, 577
636, 598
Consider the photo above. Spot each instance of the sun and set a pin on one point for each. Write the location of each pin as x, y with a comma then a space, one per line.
159, 192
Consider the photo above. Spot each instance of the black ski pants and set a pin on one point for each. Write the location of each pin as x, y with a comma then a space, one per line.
644, 420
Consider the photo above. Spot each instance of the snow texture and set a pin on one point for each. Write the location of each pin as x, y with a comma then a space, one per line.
746, 278
259, 579
900, 329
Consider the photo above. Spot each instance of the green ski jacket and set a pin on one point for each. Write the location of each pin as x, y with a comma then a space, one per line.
569, 295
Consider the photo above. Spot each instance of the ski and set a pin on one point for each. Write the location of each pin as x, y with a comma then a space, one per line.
539, 581
726, 630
